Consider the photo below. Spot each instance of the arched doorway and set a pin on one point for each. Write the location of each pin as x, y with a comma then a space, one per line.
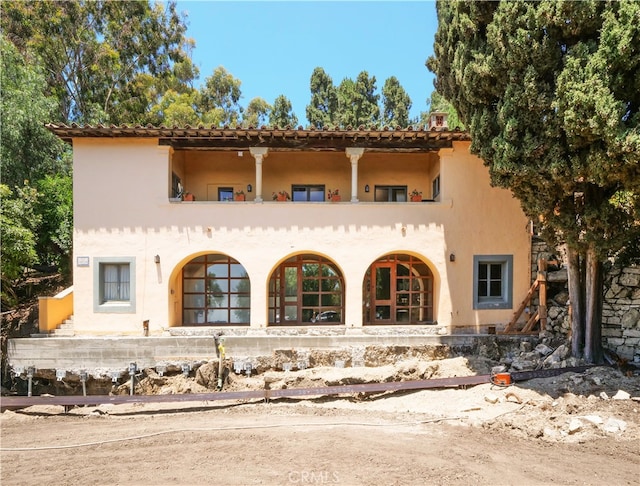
215, 291
398, 289
306, 290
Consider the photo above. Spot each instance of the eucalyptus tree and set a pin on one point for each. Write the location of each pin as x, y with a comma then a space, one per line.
176, 109
28, 151
257, 113
220, 98
104, 60
550, 93
36, 171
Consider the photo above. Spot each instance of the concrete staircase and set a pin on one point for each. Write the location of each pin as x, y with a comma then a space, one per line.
66, 329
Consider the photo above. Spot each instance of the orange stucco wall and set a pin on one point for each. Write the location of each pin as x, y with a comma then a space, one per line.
122, 209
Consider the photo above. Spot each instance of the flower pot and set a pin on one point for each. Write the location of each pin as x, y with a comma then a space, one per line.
189, 197
416, 198
336, 198
281, 197
239, 197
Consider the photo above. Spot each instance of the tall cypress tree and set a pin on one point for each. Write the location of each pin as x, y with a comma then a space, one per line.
550, 92
321, 110
396, 103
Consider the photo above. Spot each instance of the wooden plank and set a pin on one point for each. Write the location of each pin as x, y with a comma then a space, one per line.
523, 306
531, 323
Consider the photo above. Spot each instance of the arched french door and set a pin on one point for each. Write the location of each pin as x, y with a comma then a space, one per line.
306, 290
215, 291
398, 289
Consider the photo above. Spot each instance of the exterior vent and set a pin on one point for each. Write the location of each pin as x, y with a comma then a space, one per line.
438, 121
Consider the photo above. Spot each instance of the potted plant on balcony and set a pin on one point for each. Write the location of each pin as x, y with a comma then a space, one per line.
189, 197
334, 196
416, 196
239, 196
280, 196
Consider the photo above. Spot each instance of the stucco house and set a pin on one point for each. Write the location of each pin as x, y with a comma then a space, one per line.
179, 229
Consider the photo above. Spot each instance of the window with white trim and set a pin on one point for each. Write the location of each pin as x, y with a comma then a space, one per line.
114, 284
492, 281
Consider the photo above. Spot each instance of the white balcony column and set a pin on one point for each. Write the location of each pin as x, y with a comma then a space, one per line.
259, 153
354, 154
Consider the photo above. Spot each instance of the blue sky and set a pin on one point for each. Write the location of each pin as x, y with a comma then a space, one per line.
273, 47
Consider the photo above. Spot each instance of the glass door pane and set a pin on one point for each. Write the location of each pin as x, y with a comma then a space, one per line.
382, 284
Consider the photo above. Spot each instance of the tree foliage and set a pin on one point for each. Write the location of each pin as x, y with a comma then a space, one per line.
355, 103
28, 151
358, 101
18, 223
220, 97
257, 113
54, 233
396, 104
321, 110
176, 109
437, 102
104, 60
282, 114
550, 92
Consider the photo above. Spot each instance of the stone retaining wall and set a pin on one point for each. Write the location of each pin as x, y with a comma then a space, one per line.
621, 306
621, 312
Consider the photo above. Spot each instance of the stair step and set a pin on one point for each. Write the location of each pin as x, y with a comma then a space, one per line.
63, 332
66, 325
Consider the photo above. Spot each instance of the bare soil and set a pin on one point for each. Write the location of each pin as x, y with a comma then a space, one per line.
564, 430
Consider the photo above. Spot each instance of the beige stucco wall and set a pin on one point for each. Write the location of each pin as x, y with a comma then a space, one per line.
121, 209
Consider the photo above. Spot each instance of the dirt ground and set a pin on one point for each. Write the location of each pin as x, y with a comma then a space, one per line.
570, 429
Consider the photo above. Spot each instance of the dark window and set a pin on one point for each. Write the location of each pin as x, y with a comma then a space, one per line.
308, 192
435, 187
225, 194
176, 185
391, 194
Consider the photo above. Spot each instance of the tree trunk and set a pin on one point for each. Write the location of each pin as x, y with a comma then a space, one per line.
576, 300
593, 308
585, 296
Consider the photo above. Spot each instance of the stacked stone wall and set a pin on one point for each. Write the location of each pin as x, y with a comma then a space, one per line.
621, 312
621, 305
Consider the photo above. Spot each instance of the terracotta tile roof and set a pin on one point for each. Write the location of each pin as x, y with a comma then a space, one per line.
216, 138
